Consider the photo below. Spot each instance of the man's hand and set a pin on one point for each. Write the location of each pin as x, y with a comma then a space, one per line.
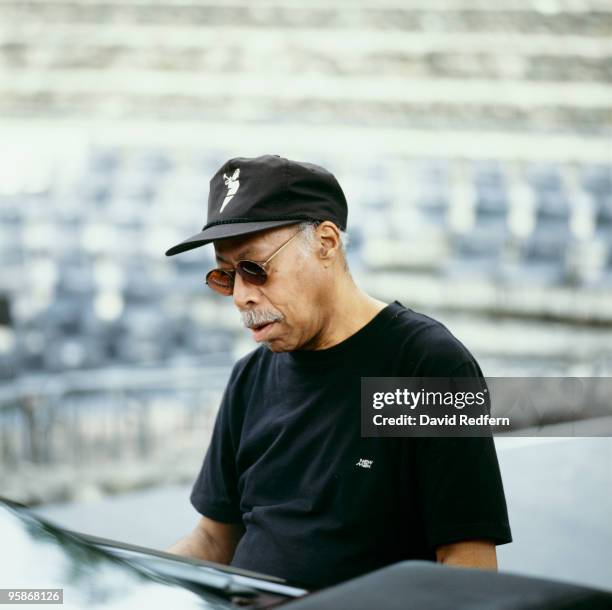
210, 540
468, 554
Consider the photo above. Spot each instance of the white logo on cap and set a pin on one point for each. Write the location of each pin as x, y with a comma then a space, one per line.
232, 184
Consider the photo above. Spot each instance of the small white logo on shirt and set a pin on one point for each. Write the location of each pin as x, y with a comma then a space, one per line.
232, 184
364, 463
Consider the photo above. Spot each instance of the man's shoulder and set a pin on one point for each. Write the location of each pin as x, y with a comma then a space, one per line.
425, 342
419, 328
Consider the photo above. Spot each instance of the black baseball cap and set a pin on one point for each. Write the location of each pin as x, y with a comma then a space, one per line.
252, 194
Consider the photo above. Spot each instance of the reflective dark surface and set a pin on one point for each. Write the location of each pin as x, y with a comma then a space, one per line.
94, 573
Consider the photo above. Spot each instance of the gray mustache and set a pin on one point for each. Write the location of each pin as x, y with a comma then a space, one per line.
253, 318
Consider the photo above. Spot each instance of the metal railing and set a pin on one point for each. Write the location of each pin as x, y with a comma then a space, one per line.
86, 417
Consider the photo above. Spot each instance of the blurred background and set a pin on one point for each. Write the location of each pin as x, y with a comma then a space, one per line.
472, 139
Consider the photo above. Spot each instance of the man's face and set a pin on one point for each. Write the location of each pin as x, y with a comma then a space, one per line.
284, 313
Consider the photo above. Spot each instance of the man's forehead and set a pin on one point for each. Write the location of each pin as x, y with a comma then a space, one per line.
239, 247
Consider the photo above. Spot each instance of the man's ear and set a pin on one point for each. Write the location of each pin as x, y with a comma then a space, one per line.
329, 238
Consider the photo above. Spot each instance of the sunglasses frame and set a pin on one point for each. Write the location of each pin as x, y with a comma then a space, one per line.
243, 274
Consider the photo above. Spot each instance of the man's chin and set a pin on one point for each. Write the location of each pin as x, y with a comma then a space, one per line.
273, 346
277, 345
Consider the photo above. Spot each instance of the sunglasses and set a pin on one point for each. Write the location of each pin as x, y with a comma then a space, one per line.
222, 280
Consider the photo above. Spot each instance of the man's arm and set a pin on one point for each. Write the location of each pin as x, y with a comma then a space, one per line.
210, 540
468, 554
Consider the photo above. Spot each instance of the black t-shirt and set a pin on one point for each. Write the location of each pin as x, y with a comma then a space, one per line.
288, 461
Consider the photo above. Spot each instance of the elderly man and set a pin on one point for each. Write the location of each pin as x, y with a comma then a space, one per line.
288, 486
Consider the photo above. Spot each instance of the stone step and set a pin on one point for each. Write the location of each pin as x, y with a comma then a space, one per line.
478, 295
558, 18
336, 41
368, 114
319, 87
434, 6
477, 103
538, 58
342, 145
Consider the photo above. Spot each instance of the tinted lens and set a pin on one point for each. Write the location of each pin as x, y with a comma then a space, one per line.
252, 272
220, 281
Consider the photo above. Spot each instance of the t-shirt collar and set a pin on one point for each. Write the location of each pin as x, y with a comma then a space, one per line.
347, 347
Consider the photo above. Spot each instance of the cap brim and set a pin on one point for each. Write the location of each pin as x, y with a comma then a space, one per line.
223, 231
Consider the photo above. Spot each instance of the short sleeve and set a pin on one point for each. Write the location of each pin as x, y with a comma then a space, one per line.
215, 491
459, 488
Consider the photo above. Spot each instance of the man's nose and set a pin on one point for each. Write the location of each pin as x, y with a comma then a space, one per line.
245, 294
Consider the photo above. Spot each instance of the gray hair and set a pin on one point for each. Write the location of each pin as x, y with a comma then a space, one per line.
308, 242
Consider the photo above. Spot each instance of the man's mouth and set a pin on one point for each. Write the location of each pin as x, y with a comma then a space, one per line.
261, 330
